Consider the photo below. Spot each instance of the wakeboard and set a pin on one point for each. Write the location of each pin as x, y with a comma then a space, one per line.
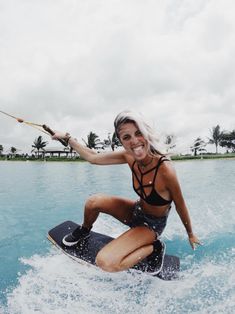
166, 267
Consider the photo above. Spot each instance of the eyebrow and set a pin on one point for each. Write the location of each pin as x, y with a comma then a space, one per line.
125, 134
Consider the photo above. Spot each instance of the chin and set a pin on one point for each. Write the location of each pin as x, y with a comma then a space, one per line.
140, 158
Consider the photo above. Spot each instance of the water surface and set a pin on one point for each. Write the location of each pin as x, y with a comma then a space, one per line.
35, 277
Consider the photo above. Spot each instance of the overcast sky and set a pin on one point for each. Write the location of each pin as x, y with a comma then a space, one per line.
75, 64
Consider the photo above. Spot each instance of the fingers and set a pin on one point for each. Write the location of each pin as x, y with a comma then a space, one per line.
54, 137
60, 136
192, 246
194, 242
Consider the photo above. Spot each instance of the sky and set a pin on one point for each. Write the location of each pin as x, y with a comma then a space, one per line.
74, 65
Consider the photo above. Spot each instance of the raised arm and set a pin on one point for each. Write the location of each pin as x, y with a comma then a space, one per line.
107, 158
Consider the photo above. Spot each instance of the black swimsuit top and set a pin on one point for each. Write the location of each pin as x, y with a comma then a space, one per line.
146, 184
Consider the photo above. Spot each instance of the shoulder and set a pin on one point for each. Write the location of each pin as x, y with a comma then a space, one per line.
167, 170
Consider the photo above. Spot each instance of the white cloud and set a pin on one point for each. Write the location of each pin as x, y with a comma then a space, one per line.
75, 64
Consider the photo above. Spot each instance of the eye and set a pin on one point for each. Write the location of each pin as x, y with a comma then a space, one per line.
126, 137
138, 133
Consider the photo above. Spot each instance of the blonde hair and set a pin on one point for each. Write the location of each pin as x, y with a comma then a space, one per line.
147, 131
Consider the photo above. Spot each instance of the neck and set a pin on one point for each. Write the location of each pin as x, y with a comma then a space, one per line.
146, 162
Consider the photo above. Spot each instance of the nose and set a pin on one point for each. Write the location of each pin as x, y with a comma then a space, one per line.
134, 140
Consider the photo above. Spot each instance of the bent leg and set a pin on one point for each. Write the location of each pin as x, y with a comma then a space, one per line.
127, 250
119, 208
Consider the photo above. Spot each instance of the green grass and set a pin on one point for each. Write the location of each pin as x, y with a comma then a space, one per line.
64, 159
77, 159
206, 156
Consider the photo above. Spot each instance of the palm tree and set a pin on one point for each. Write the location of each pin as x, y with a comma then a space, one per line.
92, 140
115, 141
217, 136
107, 142
1, 149
198, 145
228, 140
170, 141
13, 151
39, 144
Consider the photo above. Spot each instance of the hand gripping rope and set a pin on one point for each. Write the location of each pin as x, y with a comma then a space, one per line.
41, 127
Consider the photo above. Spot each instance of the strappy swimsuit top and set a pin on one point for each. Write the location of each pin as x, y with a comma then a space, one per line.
146, 181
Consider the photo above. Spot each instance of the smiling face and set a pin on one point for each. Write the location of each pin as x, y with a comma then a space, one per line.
133, 140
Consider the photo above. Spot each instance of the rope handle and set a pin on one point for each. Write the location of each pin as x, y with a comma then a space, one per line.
62, 141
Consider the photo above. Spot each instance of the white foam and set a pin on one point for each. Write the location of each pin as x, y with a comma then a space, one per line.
57, 284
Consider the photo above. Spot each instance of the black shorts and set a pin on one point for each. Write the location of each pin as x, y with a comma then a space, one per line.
139, 218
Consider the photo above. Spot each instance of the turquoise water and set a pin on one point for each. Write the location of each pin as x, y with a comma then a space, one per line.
35, 277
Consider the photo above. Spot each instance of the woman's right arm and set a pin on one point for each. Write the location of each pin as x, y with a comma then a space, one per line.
107, 158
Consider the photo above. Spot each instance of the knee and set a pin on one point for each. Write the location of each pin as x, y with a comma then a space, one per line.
106, 263
94, 201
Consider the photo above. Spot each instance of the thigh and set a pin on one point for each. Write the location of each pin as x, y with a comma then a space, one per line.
127, 243
119, 208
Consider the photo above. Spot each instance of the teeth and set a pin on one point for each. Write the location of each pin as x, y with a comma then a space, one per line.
136, 149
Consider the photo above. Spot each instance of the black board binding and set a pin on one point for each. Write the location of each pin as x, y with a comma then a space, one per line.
86, 250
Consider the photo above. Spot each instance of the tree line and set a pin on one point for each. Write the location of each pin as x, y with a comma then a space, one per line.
225, 139
220, 138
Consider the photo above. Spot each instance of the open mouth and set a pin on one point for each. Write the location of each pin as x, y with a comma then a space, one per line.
138, 150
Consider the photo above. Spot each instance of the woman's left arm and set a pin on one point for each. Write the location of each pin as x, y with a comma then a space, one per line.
173, 186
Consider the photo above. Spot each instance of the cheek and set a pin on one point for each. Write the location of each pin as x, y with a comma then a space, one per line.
144, 140
124, 143
122, 140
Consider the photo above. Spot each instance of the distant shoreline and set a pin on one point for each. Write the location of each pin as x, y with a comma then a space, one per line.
206, 156
77, 159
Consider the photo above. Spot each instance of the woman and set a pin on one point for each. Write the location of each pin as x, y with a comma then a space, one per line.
154, 180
